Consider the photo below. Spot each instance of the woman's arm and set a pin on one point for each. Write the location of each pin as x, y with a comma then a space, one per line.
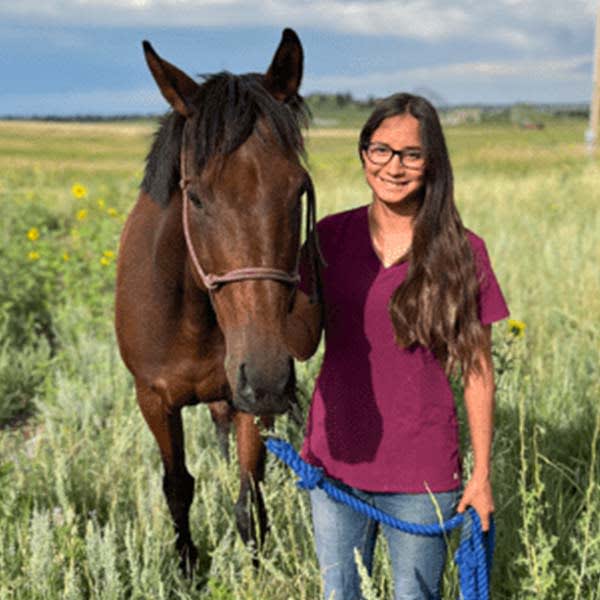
303, 327
479, 402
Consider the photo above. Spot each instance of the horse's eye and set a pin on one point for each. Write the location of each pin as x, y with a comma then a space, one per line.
194, 199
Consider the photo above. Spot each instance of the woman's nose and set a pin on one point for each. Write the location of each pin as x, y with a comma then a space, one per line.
395, 165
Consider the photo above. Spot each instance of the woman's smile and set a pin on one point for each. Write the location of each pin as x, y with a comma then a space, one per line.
394, 182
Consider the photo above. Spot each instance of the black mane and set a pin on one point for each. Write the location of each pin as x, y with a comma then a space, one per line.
226, 110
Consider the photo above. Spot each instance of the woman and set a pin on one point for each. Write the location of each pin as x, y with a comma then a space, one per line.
409, 296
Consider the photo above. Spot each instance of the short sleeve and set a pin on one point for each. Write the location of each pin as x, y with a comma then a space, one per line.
491, 302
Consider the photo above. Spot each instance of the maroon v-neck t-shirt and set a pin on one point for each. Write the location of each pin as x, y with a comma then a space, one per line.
382, 418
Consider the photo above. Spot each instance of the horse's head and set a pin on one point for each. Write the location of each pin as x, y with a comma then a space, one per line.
242, 182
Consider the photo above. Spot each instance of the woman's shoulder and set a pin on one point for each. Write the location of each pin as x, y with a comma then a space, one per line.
492, 305
477, 242
341, 219
342, 233
479, 249
342, 225
483, 263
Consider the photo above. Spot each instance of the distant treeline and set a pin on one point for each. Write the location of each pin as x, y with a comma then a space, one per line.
328, 105
500, 111
508, 113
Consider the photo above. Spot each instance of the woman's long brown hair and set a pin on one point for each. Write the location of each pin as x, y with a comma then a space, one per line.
436, 306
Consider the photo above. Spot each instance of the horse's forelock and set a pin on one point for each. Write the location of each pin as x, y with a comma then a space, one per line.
228, 108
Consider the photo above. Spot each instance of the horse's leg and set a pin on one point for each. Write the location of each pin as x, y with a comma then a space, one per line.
222, 415
178, 485
251, 455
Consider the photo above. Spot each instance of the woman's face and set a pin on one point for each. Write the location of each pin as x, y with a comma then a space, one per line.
393, 182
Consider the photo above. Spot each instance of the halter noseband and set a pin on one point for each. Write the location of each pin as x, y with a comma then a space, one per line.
213, 281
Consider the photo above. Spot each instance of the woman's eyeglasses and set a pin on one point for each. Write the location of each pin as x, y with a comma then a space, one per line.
381, 154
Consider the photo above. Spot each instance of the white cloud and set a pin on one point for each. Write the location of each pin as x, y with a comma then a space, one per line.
516, 24
561, 71
565, 69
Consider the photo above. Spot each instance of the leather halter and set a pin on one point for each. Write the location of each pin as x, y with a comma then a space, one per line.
213, 281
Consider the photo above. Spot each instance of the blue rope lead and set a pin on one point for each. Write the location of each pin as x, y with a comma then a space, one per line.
473, 557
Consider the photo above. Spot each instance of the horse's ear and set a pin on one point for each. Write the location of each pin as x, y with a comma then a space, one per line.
285, 73
177, 88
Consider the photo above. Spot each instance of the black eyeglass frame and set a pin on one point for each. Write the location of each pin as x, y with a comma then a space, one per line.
400, 153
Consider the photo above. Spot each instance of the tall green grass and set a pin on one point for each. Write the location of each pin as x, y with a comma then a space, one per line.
82, 513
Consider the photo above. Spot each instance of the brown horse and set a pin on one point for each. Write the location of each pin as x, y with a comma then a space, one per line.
208, 265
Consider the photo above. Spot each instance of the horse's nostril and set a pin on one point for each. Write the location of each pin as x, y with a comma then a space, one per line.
244, 387
283, 381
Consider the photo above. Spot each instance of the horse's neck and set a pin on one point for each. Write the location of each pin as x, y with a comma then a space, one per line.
172, 275
196, 309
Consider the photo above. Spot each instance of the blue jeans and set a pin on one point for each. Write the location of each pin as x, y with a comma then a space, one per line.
417, 561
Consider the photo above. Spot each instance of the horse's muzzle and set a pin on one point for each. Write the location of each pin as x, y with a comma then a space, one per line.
256, 395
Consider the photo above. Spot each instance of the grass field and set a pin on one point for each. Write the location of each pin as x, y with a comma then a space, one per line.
81, 508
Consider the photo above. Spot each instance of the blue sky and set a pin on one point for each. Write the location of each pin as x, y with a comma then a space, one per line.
65, 57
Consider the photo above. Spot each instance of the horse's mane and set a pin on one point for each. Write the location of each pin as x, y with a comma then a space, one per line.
227, 108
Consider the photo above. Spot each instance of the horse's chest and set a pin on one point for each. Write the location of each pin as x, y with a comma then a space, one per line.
193, 370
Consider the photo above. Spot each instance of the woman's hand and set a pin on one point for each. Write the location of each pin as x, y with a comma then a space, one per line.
303, 326
478, 494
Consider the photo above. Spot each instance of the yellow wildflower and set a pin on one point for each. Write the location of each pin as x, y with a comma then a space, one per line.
112, 211
516, 328
101, 203
105, 261
81, 214
65, 256
109, 254
33, 234
33, 255
78, 191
